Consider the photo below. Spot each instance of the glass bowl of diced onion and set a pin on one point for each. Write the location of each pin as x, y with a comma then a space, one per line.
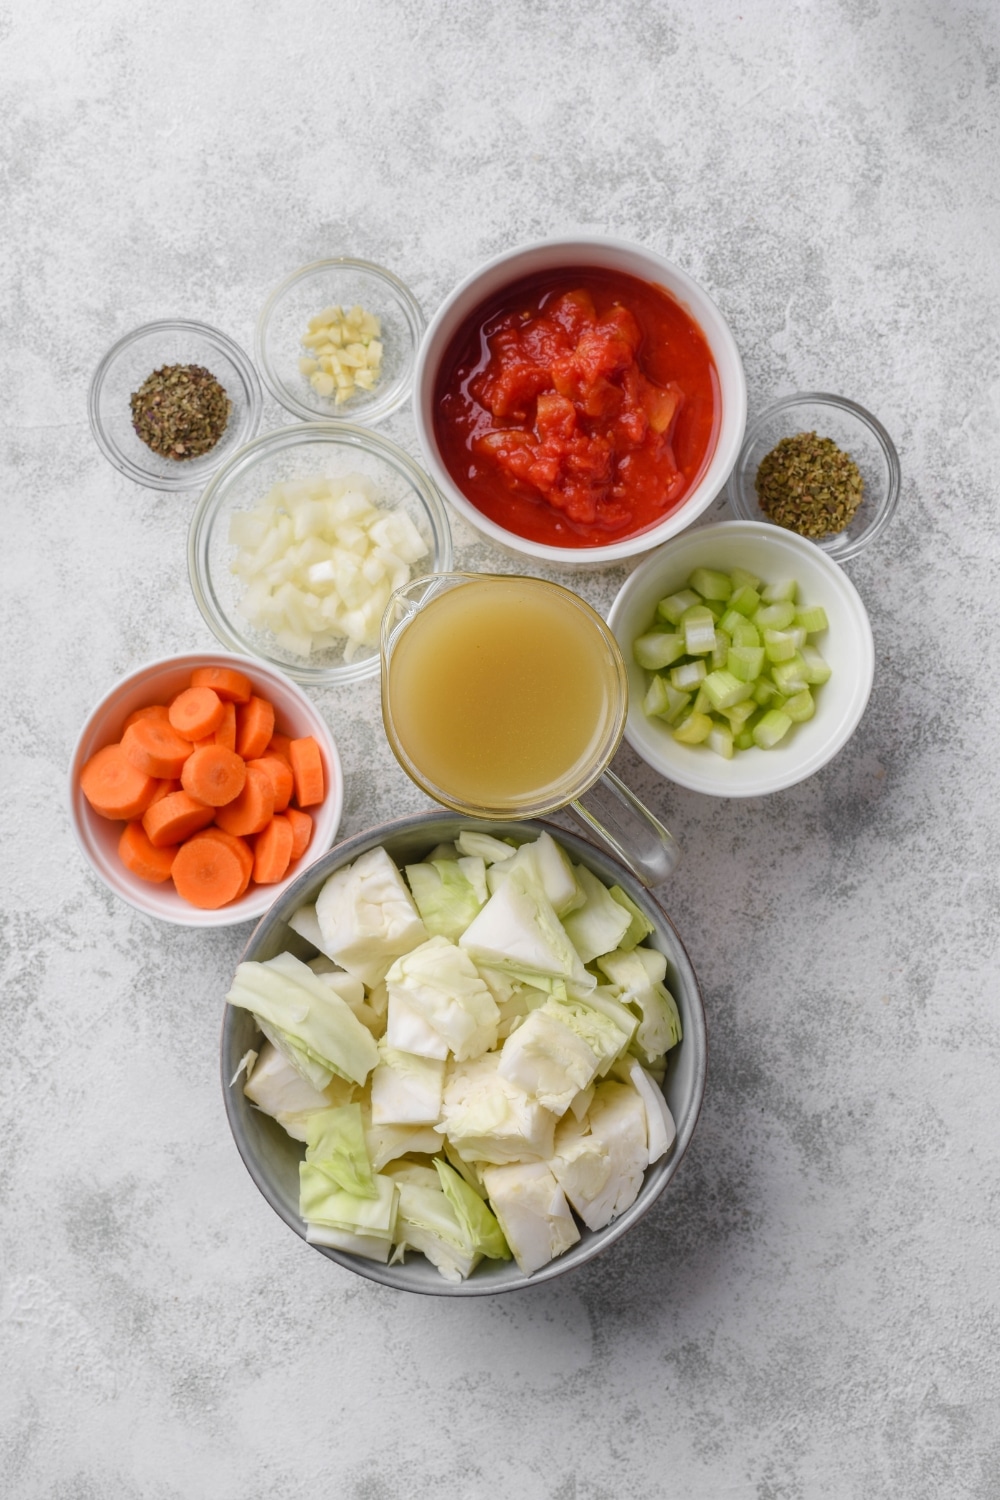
338, 340
299, 540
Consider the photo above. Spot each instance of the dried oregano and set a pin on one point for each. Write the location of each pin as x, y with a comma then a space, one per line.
809, 485
180, 411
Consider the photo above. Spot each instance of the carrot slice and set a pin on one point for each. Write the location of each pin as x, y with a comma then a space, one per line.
143, 858
307, 768
302, 827
240, 847
196, 713
164, 788
279, 746
277, 769
231, 686
154, 746
252, 810
175, 817
254, 727
272, 852
152, 711
213, 775
114, 787
225, 735
207, 873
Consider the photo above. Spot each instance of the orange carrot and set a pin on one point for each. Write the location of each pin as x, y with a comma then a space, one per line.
279, 746
114, 787
196, 713
239, 846
143, 858
164, 788
207, 873
280, 773
254, 727
213, 775
307, 768
153, 711
252, 810
175, 817
302, 827
272, 851
230, 685
153, 746
225, 735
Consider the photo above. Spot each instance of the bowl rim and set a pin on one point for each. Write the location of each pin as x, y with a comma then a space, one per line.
719, 465
225, 916
862, 683
662, 1171
378, 408
837, 545
183, 481
276, 440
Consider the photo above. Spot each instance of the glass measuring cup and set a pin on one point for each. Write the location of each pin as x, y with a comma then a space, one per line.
505, 696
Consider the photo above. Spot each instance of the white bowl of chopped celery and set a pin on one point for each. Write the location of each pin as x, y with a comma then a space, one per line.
750, 659
463, 1057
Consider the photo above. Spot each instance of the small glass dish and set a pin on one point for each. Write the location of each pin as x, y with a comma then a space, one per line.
306, 450
342, 282
173, 341
856, 432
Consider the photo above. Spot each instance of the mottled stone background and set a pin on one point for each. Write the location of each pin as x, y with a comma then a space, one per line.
811, 1312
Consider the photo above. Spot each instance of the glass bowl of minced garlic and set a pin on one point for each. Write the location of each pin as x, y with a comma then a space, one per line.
337, 340
821, 466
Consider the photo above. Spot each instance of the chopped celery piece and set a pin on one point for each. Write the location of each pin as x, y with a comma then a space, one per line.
813, 620
678, 704
702, 703
724, 689
673, 607
744, 580
721, 741
745, 600
783, 592
774, 616
764, 691
738, 715
689, 675
699, 630
716, 609
655, 701
730, 620
694, 729
817, 670
800, 706
657, 649
720, 650
745, 662
790, 676
780, 645
744, 740
773, 727
745, 634
710, 584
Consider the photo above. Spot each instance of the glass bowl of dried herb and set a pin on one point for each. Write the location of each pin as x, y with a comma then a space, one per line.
171, 402
821, 466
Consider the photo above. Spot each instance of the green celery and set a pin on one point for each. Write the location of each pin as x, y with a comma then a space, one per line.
710, 584
698, 625
774, 616
724, 689
800, 706
657, 648
817, 670
812, 620
688, 675
773, 727
745, 662
693, 730
721, 741
673, 606
745, 634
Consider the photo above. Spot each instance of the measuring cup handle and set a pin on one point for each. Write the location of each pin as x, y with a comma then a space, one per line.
628, 828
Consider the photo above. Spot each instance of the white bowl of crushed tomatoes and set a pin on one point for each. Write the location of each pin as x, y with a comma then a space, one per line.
579, 401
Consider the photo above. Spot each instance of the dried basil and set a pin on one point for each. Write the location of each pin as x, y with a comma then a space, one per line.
809, 485
180, 411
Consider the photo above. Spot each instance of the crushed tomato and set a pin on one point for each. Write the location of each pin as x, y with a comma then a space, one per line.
579, 408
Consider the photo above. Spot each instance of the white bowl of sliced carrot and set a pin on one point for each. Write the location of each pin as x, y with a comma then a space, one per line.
201, 785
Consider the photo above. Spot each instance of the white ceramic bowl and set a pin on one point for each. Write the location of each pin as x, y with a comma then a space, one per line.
156, 682
772, 554
616, 255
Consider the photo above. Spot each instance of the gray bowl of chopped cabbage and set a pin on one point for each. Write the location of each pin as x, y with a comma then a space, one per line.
463, 1057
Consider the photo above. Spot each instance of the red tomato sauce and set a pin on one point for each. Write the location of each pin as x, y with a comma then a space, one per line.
578, 407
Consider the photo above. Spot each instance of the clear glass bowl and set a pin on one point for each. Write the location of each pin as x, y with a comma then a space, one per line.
338, 282
123, 370
304, 451
856, 432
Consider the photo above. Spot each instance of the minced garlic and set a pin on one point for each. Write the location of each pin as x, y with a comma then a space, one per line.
346, 352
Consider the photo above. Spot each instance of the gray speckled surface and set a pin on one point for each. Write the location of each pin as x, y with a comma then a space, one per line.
811, 1312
